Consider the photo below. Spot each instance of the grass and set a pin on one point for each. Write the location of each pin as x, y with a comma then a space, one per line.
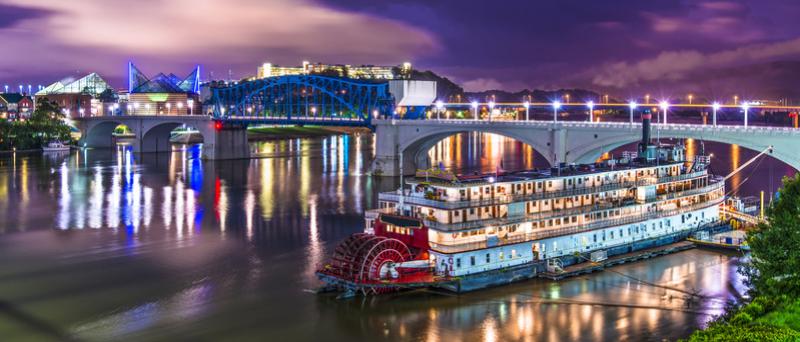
290, 131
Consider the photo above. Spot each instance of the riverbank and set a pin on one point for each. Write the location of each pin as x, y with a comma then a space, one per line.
762, 319
293, 132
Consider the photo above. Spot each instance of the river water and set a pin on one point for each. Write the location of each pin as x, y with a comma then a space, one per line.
103, 245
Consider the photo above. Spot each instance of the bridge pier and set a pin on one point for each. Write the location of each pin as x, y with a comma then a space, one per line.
225, 143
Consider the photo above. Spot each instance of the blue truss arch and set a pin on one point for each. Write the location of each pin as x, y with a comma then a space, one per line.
304, 98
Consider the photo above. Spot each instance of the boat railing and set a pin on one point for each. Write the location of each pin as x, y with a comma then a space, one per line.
577, 228
556, 213
511, 198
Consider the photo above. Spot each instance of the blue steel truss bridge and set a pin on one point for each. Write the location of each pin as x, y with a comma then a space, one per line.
308, 99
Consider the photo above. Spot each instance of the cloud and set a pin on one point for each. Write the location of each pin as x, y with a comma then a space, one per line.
11, 15
232, 31
677, 65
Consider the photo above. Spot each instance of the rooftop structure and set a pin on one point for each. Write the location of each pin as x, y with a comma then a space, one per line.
91, 84
161, 83
340, 70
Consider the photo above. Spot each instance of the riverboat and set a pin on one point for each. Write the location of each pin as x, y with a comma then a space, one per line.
467, 232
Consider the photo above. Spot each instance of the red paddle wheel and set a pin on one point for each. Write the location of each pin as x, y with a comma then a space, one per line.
359, 257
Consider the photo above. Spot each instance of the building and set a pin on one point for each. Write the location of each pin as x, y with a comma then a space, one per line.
15, 106
78, 97
339, 70
161, 94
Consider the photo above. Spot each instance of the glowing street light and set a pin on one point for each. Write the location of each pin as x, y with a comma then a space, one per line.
664, 106
556, 106
491, 109
590, 104
714, 108
746, 107
190, 104
632, 106
169, 107
527, 106
439, 107
690, 98
474, 110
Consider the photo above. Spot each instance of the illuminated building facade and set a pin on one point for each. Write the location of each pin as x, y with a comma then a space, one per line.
402, 71
15, 106
161, 94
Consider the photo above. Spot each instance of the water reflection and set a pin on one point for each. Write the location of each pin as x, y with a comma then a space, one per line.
152, 245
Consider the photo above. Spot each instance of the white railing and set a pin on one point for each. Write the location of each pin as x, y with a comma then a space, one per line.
546, 233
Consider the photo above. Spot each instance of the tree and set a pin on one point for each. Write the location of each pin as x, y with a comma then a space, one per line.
775, 266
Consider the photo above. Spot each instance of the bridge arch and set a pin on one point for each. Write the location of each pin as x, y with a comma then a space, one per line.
156, 137
416, 149
101, 134
781, 151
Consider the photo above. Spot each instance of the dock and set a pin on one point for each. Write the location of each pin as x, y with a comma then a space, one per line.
589, 267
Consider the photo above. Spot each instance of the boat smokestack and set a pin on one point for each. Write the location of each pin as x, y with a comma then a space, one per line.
646, 150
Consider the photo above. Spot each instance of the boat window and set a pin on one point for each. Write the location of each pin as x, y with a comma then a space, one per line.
458, 262
472, 260
500, 256
513, 253
488, 258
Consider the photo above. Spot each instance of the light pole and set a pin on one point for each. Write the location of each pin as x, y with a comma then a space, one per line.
169, 107
439, 106
745, 106
527, 106
474, 110
591, 110
190, 104
491, 109
664, 106
690, 98
632, 106
714, 108
556, 106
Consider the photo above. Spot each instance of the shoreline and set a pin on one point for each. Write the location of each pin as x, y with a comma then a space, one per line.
295, 132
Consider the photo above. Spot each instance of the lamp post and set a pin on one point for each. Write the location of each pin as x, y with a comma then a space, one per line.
664, 106
439, 106
632, 106
190, 104
527, 106
746, 107
590, 104
491, 109
474, 110
690, 98
556, 106
169, 107
714, 108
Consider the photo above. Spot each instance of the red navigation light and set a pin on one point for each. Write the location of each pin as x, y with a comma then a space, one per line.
218, 125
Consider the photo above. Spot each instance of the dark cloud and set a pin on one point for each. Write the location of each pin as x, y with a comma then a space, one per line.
10, 15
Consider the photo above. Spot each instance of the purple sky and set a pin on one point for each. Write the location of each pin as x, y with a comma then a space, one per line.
626, 47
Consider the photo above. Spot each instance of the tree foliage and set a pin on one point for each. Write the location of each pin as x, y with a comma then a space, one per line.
775, 246
45, 124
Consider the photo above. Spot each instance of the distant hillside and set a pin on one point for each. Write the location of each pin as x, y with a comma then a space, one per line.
448, 90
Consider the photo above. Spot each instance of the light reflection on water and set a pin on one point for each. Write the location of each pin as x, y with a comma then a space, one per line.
152, 247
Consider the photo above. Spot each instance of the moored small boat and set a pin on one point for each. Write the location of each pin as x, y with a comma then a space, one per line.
732, 240
55, 146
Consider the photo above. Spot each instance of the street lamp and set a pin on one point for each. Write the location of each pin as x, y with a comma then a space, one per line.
439, 106
690, 98
556, 106
474, 110
664, 106
190, 104
647, 98
314, 111
491, 109
169, 106
632, 106
527, 106
590, 104
714, 108
745, 106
